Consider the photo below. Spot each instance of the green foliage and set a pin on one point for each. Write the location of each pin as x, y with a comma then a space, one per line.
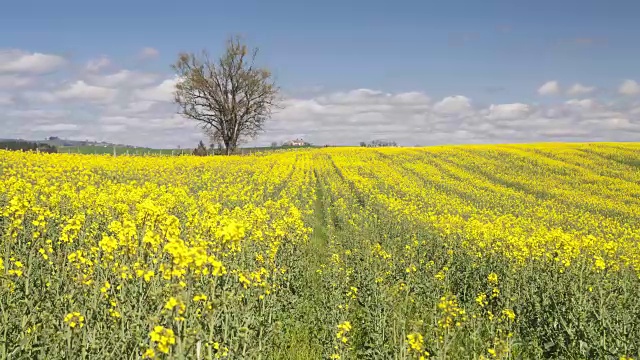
19, 145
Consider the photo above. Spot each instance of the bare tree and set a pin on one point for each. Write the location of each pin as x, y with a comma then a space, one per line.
230, 97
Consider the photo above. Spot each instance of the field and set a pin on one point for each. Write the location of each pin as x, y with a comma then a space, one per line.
456, 252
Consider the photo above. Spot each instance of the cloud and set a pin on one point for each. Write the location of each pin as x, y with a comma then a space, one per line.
132, 108
164, 122
579, 89
14, 81
411, 98
629, 87
135, 107
508, 111
55, 127
148, 53
162, 92
549, 88
146, 117
95, 65
77, 91
113, 128
21, 62
6, 99
453, 105
123, 78
589, 104
453, 119
563, 133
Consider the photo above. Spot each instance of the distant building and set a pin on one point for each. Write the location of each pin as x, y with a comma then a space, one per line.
296, 142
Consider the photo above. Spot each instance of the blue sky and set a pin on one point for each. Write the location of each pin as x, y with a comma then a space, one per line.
489, 52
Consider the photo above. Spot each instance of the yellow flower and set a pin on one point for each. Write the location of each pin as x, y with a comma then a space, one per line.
74, 319
599, 263
509, 314
343, 329
171, 303
492, 278
149, 354
416, 342
163, 338
201, 297
481, 299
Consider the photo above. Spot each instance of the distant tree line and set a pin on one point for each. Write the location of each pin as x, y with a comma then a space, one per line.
378, 143
20, 145
202, 150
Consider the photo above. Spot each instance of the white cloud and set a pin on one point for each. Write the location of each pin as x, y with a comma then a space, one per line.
350, 117
14, 81
453, 105
136, 107
162, 92
123, 78
629, 87
148, 53
508, 111
6, 99
55, 127
113, 128
549, 88
80, 90
354, 97
564, 133
131, 108
412, 98
17, 61
582, 104
38, 114
579, 89
451, 120
95, 65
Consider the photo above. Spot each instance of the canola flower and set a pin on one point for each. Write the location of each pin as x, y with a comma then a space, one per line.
162, 338
74, 319
448, 251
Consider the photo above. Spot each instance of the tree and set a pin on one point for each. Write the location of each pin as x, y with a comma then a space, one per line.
363, 144
231, 98
274, 144
201, 150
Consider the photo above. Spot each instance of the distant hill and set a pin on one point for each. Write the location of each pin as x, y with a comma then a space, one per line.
54, 141
61, 143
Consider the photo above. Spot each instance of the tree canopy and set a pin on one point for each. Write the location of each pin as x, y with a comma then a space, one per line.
231, 97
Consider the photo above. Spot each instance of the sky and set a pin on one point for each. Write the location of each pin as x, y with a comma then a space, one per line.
414, 72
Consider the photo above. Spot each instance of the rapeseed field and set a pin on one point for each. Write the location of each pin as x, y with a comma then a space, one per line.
448, 252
